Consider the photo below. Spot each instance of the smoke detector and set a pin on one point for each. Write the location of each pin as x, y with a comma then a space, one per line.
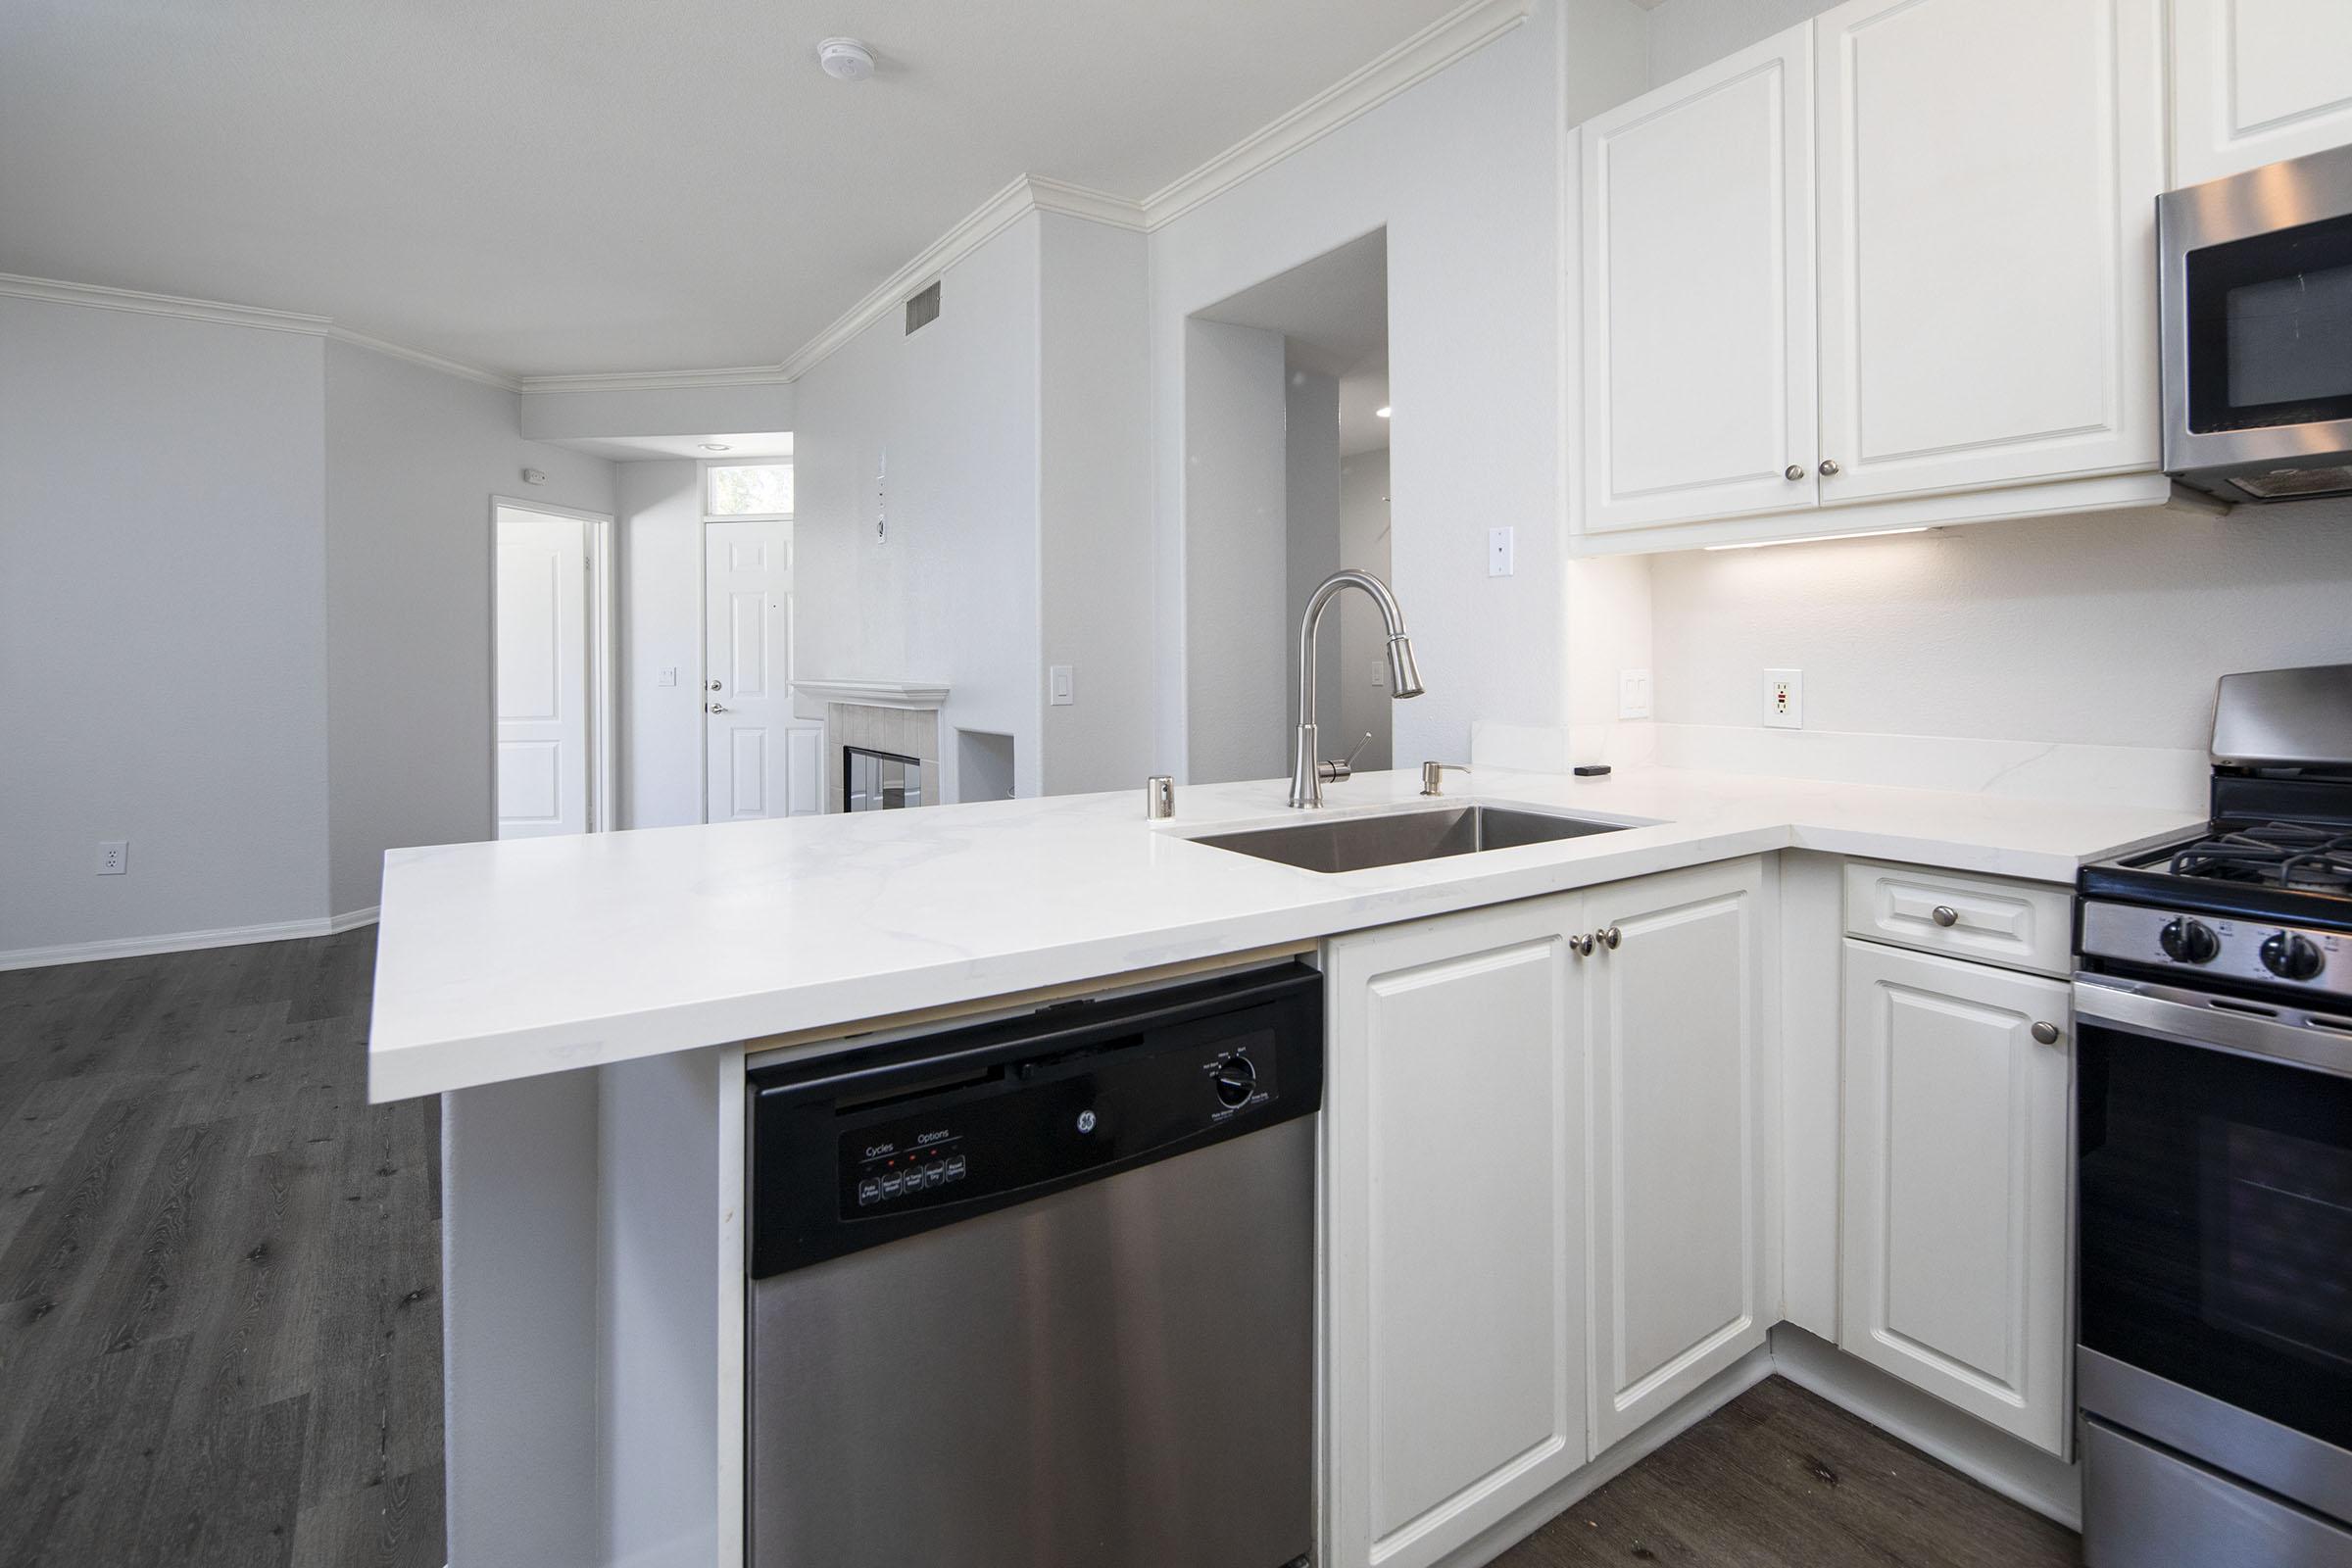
845, 59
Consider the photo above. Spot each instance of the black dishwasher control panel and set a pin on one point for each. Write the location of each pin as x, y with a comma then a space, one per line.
873, 1146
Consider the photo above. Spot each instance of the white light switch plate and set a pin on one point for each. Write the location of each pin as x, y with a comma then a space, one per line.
1064, 687
1784, 698
1499, 551
114, 856
1633, 694
668, 676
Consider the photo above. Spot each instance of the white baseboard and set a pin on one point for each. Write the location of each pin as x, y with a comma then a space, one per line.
228, 936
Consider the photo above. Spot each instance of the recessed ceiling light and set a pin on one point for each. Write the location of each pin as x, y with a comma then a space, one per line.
1381, 412
845, 59
717, 446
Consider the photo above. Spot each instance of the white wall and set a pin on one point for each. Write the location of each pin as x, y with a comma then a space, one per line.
1362, 649
1095, 504
660, 569
952, 594
1462, 170
1236, 546
1311, 527
413, 459
163, 658
657, 411
1685, 34
2102, 630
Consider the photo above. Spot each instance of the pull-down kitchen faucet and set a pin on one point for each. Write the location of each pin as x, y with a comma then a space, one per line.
1404, 680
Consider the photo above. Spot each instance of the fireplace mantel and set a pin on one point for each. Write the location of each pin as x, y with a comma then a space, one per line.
874, 693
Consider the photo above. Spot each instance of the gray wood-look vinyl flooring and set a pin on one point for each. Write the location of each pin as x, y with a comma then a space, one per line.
219, 1268
1782, 1478
221, 1320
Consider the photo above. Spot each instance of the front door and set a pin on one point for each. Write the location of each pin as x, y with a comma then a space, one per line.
756, 753
542, 674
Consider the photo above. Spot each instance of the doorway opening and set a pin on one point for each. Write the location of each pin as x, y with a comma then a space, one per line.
1287, 422
552, 697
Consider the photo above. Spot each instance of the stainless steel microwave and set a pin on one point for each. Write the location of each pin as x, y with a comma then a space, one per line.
2257, 292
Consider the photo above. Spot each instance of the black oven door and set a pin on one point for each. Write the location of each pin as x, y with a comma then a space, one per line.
2213, 1179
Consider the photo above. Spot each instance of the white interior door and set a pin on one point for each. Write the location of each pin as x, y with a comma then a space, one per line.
542, 674
1698, 295
748, 730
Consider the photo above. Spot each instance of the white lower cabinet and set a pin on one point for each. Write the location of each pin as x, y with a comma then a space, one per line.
1677, 1191
1954, 1272
1452, 1130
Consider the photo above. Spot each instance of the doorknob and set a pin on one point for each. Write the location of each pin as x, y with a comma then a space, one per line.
716, 707
710, 685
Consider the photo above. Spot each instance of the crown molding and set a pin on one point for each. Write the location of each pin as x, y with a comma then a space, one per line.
1467, 28
658, 381
98, 297
1078, 201
431, 362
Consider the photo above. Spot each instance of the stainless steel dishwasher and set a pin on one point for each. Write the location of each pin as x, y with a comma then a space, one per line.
1040, 1292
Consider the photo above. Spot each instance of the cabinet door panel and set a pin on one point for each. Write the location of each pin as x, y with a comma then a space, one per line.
1955, 1267
1454, 1379
1988, 173
2258, 80
1678, 1138
1698, 295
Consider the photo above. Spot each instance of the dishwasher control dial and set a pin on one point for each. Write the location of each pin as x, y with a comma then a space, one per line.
2187, 941
1236, 1080
2290, 957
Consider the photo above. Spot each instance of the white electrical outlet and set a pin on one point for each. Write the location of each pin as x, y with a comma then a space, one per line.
114, 856
1784, 698
668, 676
1633, 694
1499, 552
1064, 687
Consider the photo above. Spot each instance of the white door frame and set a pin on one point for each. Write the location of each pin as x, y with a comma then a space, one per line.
603, 753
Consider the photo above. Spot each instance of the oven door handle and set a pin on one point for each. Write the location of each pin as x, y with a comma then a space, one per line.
2288, 1035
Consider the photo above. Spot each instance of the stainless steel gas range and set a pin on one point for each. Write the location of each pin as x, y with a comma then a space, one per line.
2214, 1157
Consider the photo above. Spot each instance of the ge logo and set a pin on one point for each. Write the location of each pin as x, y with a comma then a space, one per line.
1086, 1121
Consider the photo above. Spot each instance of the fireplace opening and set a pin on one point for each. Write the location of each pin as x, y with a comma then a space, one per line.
879, 781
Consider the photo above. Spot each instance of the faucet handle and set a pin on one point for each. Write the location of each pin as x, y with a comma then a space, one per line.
1342, 768
1433, 776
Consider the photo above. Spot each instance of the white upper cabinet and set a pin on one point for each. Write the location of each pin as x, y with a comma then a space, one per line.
1698, 305
1989, 177
2258, 80
1681, 1142
1452, 1127
1955, 1185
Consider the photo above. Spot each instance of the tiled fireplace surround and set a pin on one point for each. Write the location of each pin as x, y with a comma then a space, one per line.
905, 731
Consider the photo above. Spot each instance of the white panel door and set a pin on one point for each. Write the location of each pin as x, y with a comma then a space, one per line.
1680, 1143
2258, 80
747, 675
1956, 1275
1454, 1361
1988, 177
1698, 295
542, 673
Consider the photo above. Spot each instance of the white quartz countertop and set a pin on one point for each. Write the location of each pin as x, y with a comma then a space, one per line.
498, 962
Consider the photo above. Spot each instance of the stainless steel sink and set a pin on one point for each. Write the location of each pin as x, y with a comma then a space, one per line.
1359, 843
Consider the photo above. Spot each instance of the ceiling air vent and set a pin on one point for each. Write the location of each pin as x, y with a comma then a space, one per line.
923, 308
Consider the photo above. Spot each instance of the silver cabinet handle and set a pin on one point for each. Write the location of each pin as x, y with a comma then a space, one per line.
2047, 1034
1581, 946
1830, 468
1944, 914
1611, 937
1793, 472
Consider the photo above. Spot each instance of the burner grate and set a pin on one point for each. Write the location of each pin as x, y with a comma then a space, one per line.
2280, 855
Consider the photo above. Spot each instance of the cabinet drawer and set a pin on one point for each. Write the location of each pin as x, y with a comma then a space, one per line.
2021, 925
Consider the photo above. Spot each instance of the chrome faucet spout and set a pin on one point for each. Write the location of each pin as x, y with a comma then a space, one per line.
1404, 676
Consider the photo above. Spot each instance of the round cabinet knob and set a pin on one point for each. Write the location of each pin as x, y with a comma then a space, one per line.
1236, 1080
2187, 941
2045, 1034
1611, 937
2290, 957
1830, 468
1793, 472
1581, 946
1944, 914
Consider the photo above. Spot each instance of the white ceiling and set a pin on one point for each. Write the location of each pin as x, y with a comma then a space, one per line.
555, 187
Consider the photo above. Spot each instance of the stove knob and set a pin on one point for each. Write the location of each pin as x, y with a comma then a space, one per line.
1236, 1081
2187, 941
2290, 957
